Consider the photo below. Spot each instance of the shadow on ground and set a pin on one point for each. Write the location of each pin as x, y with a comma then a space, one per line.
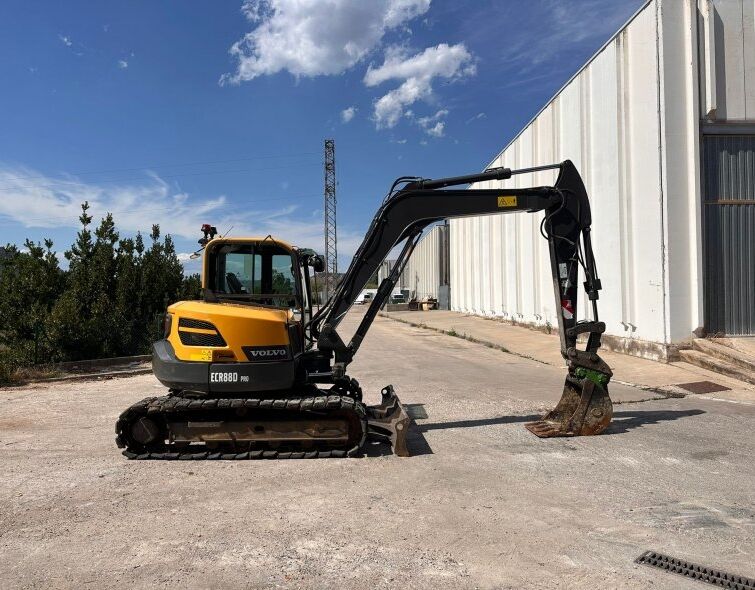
628, 420
623, 422
478, 422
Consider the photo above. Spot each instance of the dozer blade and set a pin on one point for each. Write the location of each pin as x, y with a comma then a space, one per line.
584, 409
389, 422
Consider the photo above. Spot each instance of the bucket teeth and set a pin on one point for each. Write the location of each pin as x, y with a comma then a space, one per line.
545, 429
584, 409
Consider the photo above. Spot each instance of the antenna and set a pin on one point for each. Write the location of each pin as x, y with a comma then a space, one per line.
331, 242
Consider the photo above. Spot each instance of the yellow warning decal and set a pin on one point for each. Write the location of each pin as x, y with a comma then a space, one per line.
507, 201
204, 354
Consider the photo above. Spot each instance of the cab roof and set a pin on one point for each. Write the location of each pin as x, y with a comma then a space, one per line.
251, 240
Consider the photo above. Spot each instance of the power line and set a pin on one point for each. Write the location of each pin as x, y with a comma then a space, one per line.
148, 168
299, 198
10, 188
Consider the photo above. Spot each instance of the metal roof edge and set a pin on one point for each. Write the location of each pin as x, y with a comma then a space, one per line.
571, 79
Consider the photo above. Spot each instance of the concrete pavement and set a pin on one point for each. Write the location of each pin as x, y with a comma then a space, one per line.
545, 348
481, 504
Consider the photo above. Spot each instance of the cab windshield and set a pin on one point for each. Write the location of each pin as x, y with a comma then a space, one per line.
262, 273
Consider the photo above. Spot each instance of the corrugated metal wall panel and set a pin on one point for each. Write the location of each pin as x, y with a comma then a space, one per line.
729, 220
583, 124
423, 272
628, 121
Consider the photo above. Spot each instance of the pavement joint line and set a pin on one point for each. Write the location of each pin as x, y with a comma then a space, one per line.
723, 399
663, 390
638, 401
453, 334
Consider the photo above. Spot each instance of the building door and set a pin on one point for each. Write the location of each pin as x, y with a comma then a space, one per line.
729, 233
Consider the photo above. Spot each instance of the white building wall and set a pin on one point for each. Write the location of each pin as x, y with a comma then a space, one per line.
421, 275
629, 120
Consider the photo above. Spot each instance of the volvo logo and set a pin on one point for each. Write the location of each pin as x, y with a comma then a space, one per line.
277, 353
266, 353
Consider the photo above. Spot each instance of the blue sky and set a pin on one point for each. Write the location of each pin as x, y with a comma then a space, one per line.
181, 113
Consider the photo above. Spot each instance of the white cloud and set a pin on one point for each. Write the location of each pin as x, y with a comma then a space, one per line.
33, 200
433, 125
348, 114
424, 121
443, 60
418, 73
436, 130
315, 37
477, 117
191, 265
66, 40
122, 64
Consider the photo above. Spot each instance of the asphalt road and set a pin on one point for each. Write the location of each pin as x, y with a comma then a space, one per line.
481, 504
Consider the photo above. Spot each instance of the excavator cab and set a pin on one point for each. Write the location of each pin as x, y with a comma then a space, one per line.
254, 372
247, 333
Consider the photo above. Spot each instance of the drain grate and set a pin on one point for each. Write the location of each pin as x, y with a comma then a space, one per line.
703, 387
696, 572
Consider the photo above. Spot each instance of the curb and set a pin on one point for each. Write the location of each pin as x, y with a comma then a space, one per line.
106, 362
95, 376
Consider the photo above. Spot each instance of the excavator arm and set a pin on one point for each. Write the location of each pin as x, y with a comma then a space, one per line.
585, 407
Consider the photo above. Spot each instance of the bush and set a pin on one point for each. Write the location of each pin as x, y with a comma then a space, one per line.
8, 366
107, 303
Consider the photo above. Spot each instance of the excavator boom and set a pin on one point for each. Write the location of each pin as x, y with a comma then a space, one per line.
585, 407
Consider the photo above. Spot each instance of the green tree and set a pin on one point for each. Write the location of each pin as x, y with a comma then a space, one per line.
191, 288
83, 323
162, 277
104, 325
127, 301
30, 283
108, 303
68, 327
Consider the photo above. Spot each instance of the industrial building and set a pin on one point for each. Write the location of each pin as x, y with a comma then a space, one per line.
427, 272
661, 124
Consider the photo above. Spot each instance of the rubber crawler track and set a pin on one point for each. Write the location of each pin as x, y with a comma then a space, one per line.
167, 405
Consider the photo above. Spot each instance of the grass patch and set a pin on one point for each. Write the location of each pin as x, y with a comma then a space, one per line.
10, 374
36, 373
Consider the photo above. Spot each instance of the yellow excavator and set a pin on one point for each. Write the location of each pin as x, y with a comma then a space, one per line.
253, 371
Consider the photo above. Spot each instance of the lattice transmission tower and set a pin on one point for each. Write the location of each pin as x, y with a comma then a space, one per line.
331, 241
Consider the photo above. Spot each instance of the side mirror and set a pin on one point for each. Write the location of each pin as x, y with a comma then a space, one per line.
318, 263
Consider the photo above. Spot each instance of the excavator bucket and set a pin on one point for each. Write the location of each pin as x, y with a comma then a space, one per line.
584, 409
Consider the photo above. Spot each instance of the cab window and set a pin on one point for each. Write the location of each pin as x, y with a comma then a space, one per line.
261, 273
